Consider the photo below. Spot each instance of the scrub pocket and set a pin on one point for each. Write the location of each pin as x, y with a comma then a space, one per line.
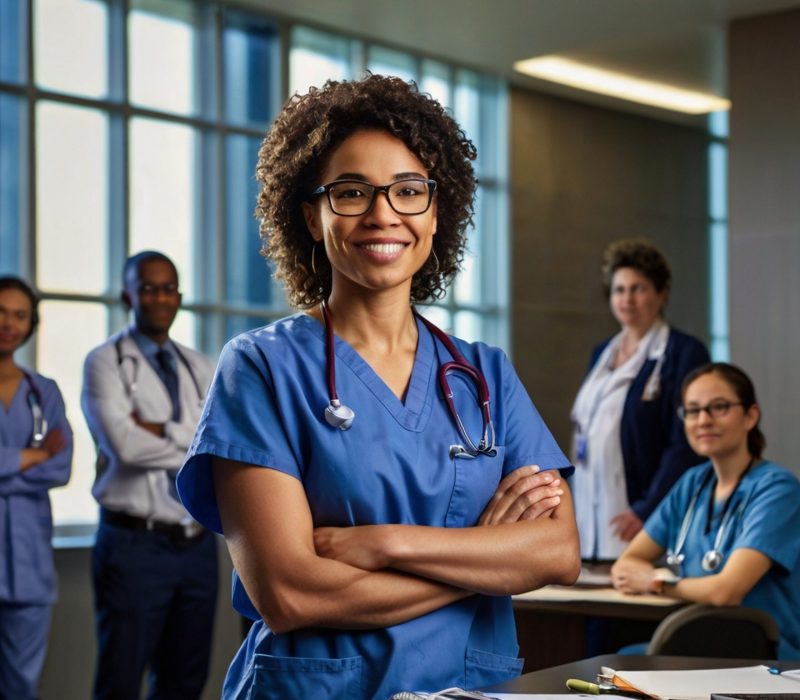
285, 677
484, 668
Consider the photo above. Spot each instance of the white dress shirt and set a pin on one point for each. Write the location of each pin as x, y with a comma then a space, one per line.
136, 469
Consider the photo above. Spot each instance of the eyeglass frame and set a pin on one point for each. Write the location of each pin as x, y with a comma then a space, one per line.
728, 405
326, 189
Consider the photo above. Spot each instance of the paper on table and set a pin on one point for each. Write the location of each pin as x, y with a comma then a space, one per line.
700, 684
533, 696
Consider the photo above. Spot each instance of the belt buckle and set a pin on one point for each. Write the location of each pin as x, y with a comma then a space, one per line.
186, 533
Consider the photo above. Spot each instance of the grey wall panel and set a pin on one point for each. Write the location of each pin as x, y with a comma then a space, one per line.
581, 178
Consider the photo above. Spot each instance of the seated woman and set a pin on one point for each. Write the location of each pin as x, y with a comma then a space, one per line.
730, 527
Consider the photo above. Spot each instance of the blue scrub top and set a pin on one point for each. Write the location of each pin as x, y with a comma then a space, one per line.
265, 407
766, 517
27, 573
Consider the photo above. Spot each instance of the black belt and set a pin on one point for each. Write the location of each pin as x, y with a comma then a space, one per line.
180, 533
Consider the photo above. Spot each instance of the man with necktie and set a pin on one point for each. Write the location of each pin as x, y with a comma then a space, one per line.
154, 569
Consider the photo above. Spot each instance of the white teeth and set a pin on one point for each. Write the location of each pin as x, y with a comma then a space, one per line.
384, 248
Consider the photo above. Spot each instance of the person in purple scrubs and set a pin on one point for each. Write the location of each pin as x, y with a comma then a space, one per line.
35, 456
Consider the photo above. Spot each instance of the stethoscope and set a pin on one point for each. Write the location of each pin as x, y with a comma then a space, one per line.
130, 383
340, 416
713, 557
39, 421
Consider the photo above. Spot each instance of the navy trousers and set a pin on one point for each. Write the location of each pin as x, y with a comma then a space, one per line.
154, 606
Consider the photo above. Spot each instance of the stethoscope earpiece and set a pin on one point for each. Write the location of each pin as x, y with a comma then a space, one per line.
338, 415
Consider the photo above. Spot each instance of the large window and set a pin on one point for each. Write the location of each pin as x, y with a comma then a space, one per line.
132, 124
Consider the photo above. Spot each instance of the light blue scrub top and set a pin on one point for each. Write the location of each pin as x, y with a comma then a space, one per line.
265, 407
27, 574
766, 517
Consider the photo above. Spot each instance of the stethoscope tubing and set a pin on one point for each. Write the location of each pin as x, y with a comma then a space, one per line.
131, 385
36, 403
340, 416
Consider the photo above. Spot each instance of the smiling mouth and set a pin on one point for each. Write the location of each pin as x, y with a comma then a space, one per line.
383, 248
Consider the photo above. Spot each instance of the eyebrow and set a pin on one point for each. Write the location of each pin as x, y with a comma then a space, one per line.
363, 178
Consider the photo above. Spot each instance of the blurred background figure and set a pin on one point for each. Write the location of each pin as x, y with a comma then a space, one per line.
35, 456
154, 569
628, 443
730, 527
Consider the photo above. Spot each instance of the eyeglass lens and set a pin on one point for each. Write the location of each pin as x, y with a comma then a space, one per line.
351, 197
716, 409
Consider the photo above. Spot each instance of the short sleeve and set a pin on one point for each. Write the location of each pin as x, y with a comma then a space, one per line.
528, 440
771, 519
240, 422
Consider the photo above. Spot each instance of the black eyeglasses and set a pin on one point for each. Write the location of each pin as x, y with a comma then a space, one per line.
716, 409
354, 197
149, 289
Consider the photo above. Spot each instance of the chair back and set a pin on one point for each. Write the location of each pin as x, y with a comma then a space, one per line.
722, 632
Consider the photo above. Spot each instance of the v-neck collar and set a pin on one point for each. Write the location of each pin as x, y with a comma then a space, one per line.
412, 412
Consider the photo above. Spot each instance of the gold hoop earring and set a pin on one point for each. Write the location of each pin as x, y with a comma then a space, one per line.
435, 260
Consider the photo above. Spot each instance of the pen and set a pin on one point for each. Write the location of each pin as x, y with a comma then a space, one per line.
593, 689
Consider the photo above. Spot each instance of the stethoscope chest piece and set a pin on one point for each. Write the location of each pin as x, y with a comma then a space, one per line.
711, 560
338, 415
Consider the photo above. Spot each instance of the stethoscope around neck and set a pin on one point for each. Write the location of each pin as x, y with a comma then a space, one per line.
712, 558
37, 413
340, 416
131, 383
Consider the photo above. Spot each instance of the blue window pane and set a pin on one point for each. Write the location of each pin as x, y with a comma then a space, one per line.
385, 61
248, 278
71, 46
315, 57
252, 68
13, 66
178, 75
12, 178
436, 81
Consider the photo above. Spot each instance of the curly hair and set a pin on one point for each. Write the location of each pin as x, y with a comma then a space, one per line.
297, 146
642, 256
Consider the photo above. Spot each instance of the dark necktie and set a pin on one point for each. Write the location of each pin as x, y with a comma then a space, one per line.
170, 378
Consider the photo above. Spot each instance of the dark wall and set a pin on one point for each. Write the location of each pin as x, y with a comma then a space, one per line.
765, 220
582, 177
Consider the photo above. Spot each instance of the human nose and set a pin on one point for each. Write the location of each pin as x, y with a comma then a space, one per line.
381, 209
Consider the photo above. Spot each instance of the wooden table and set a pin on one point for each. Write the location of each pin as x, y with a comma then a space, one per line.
551, 622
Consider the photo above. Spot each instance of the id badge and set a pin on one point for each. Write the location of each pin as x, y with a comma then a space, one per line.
581, 445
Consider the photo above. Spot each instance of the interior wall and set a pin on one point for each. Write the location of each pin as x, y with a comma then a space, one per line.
582, 177
764, 59
69, 668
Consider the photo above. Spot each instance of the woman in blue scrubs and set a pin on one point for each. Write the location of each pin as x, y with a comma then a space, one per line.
35, 456
730, 527
376, 540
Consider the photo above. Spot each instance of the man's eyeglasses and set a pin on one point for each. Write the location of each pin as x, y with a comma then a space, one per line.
147, 289
716, 409
354, 197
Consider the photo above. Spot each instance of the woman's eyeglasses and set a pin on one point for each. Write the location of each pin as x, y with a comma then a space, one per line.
716, 409
354, 197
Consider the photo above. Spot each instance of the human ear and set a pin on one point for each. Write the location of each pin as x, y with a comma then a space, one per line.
752, 416
311, 217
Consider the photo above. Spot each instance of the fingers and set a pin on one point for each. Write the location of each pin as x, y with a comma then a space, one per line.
528, 496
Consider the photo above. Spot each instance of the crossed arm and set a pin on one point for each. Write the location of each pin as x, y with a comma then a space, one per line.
380, 575
634, 572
